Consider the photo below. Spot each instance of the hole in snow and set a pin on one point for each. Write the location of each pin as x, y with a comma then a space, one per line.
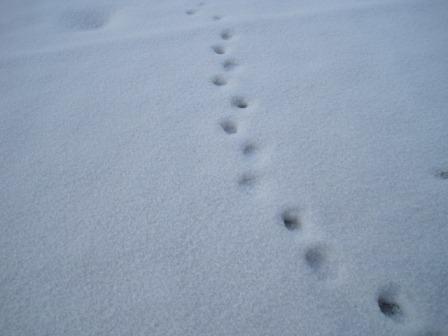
291, 220
226, 34
219, 80
229, 64
249, 149
229, 126
442, 174
218, 49
388, 307
247, 179
387, 301
240, 102
86, 19
321, 262
315, 257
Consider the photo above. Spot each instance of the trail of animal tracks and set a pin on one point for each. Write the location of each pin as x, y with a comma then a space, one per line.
224, 167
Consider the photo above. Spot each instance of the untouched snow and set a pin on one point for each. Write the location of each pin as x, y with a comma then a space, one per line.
224, 168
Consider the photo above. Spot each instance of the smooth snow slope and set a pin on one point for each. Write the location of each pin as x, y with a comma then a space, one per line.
233, 167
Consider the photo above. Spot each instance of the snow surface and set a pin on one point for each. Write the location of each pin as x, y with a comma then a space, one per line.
240, 167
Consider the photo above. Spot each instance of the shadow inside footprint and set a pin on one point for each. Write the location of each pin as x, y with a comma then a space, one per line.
190, 12
86, 19
321, 261
226, 34
240, 102
291, 220
229, 64
387, 301
315, 258
247, 179
219, 80
442, 174
249, 149
229, 126
218, 49
216, 17
388, 307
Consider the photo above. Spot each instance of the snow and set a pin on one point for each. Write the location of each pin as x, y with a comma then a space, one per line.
224, 167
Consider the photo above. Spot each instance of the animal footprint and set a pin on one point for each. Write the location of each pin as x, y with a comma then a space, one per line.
219, 49
85, 19
229, 64
239, 102
247, 179
388, 305
219, 80
190, 12
291, 219
249, 149
320, 261
216, 17
229, 126
226, 34
442, 174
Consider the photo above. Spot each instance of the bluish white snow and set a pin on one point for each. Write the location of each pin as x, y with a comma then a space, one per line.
239, 167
